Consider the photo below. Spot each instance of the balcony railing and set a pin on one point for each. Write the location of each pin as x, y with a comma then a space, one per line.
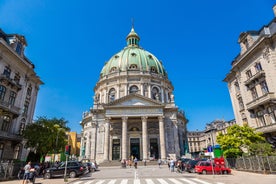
9, 107
259, 74
267, 128
261, 100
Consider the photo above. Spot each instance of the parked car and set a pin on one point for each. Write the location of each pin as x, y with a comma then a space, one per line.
204, 167
74, 169
190, 165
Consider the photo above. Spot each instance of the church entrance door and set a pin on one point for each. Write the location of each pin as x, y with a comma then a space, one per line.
135, 147
116, 149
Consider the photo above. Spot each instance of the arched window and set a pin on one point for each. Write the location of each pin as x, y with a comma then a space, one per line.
6, 123
113, 69
153, 69
133, 89
155, 93
16, 151
2, 92
133, 67
111, 95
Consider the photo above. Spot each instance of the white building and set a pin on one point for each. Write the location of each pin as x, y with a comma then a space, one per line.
19, 87
134, 111
252, 80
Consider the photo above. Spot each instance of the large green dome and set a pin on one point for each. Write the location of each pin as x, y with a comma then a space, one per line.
133, 58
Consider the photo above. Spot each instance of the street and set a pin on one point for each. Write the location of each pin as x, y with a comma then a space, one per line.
155, 175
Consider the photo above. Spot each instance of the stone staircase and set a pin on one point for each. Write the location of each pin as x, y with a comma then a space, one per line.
117, 163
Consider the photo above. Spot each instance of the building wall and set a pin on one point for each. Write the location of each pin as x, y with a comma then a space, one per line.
19, 87
251, 81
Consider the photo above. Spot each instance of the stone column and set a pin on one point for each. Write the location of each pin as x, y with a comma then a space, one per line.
145, 137
106, 139
124, 137
162, 137
87, 149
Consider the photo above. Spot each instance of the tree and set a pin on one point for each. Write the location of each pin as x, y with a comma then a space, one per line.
238, 140
261, 149
46, 135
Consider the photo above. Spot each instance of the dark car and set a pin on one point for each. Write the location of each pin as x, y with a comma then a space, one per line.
74, 169
190, 166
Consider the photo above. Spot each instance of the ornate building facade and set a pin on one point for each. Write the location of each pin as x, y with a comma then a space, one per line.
19, 87
134, 111
251, 81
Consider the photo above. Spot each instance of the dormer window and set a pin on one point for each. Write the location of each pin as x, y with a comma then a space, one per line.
258, 67
133, 67
246, 43
113, 69
153, 69
133, 54
7, 72
116, 56
133, 89
150, 56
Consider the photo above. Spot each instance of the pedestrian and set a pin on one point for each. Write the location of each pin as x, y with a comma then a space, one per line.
135, 162
26, 175
159, 162
172, 165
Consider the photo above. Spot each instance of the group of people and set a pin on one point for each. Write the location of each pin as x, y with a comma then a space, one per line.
129, 162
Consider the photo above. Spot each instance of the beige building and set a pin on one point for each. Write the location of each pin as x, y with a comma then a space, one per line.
134, 111
252, 80
19, 87
200, 140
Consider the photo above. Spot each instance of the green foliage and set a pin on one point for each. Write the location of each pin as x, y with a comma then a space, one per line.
264, 149
46, 135
238, 140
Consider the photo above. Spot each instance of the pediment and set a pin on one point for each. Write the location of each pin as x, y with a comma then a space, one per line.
134, 100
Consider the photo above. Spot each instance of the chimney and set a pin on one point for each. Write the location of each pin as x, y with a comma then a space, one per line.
274, 10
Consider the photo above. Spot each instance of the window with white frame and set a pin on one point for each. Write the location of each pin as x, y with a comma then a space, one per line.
261, 119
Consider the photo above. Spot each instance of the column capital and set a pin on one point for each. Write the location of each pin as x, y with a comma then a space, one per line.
144, 118
161, 118
124, 118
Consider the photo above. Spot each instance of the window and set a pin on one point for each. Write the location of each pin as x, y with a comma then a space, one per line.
7, 72
153, 69
17, 78
272, 114
18, 48
22, 126
1, 149
133, 67
133, 89
6, 123
25, 109
2, 92
111, 95
264, 87
246, 43
237, 86
155, 93
12, 98
241, 103
113, 69
261, 120
248, 74
29, 91
16, 151
258, 67
254, 93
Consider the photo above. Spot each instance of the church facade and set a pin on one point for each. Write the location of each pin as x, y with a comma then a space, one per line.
134, 112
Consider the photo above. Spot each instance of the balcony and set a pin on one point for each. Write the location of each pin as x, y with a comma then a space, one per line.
267, 128
258, 75
266, 98
9, 136
6, 107
7, 80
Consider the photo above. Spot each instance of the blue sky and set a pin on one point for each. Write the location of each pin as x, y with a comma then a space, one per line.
70, 40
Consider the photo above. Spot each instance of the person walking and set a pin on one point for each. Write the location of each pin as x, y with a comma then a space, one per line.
26, 175
135, 162
159, 162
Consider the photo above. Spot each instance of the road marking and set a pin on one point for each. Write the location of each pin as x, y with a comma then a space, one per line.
188, 181
79, 182
111, 181
219, 183
124, 181
89, 182
175, 181
149, 181
100, 182
136, 181
162, 181
200, 181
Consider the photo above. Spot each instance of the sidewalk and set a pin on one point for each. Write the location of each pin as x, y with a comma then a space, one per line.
40, 180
